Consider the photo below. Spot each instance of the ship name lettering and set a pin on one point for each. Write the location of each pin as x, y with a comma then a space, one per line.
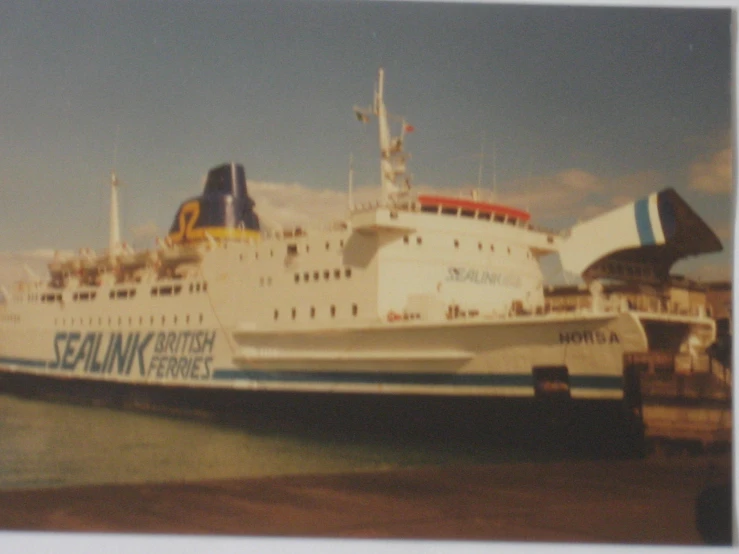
482, 277
178, 354
180, 367
589, 337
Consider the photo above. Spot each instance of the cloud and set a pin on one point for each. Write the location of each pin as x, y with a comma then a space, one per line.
13, 265
725, 232
145, 233
706, 272
294, 204
713, 173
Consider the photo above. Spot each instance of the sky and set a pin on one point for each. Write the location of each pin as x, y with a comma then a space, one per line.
576, 109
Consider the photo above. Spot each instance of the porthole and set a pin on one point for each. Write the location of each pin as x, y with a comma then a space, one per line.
337, 274
348, 272
316, 275
405, 239
312, 311
277, 314
200, 319
419, 240
355, 309
294, 313
456, 243
333, 311
297, 278
326, 274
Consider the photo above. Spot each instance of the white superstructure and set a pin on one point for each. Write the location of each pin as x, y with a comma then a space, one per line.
416, 294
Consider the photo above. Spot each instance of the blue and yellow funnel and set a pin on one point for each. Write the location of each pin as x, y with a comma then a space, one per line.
223, 211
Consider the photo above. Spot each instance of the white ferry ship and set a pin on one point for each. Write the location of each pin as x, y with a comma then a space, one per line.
414, 295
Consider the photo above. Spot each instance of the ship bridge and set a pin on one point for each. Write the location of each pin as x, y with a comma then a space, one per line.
638, 242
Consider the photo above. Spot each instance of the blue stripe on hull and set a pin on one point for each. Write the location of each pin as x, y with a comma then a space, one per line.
25, 362
377, 378
643, 223
383, 378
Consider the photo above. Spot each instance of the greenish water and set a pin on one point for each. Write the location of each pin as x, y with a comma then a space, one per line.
46, 444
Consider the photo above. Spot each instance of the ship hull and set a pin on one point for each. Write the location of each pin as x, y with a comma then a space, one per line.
440, 421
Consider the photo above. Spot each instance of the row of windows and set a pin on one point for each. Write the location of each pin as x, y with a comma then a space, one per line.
120, 321
480, 247
10, 318
631, 271
462, 212
326, 275
118, 294
312, 312
292, 250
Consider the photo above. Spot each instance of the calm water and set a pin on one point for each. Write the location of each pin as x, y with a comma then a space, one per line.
45, 444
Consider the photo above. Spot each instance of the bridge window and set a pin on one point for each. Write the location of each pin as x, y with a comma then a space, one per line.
468, 213
449, 211
348, 272
337, 274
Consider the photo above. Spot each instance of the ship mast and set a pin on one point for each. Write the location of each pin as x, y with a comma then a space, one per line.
115, 228
394, 180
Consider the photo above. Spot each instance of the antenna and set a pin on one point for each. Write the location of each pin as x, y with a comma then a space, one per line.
495, 179
115, 228
351, 183
482, 159
114, 240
